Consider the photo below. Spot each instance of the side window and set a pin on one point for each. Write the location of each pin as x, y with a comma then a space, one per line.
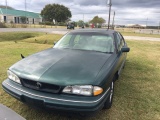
122, 39
118, 41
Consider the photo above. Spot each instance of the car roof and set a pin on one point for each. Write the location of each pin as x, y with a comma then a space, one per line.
103, 31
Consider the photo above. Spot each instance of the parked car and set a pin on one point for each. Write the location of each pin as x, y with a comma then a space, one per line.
77, 74
70, 25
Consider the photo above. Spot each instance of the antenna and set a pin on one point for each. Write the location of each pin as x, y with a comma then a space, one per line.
113, 20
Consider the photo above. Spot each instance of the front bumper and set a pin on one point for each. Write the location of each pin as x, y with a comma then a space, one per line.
55, 101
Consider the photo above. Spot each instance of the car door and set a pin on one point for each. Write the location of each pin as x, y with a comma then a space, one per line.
121, 56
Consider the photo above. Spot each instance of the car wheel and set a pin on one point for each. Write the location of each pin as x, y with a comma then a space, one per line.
108, 103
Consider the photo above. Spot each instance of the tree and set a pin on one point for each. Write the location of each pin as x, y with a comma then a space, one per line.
57, 12
97, 19
8, 7
87, 24
80, 23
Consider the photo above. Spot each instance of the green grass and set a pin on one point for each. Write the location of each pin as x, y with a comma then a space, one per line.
44, 39
137, 95
30, 37
14, 36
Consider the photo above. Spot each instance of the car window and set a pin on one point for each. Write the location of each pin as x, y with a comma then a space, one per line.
119, 41
122, 39
91, 41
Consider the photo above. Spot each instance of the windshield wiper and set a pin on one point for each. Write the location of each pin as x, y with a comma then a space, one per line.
101, 51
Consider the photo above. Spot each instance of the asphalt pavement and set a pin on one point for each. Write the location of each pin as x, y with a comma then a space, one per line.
141, 38
46, 30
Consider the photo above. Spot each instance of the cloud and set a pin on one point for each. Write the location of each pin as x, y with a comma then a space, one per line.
127, 11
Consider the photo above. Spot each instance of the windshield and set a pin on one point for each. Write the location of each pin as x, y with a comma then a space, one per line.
87, 41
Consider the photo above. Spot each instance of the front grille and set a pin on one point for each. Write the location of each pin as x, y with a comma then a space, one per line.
40, 86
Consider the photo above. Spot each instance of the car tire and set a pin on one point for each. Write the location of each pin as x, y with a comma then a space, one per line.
108, 103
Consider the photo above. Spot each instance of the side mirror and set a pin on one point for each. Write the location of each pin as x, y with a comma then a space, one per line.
125, 49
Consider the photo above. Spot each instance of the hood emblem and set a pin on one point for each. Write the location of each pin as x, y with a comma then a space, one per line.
38, 85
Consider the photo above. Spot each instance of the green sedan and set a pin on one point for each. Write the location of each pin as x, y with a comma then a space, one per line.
77, 74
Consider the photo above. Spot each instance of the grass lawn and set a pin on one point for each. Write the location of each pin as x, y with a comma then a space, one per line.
15, 36
28, 37
137, 92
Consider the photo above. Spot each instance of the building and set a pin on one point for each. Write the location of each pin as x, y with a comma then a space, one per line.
19, 16
135, 26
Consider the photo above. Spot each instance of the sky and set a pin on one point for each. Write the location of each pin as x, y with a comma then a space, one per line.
144, 12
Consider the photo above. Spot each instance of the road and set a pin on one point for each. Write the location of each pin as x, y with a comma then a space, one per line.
64, 31
47, 30
141, 38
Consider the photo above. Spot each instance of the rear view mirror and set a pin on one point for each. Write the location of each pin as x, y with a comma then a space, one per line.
125, 49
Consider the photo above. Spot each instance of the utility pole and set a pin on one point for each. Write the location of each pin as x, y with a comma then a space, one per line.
113, 20
25, 12
83, 17
109, 3
83, 22
146, 23
6, 11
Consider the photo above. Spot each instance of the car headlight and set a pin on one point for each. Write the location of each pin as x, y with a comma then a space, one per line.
13, 77
87, 90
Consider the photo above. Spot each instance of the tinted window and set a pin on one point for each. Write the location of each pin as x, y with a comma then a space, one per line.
122, 39
119, 40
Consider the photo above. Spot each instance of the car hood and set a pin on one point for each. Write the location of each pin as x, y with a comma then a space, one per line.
61, 66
